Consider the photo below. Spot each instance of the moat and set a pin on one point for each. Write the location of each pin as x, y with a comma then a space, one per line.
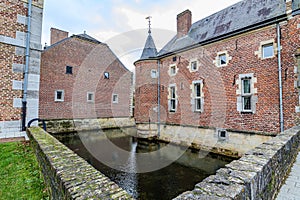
165, 182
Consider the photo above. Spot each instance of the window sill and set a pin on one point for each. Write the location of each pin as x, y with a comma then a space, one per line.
247, 112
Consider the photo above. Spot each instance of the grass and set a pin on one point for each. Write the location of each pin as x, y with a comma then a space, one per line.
20, 174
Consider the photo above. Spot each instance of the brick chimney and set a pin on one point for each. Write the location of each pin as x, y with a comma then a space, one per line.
184, 23
57, 35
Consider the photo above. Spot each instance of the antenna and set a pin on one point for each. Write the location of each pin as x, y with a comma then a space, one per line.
149, 20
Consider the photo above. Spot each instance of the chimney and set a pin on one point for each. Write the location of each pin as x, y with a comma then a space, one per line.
57, 35
184, 23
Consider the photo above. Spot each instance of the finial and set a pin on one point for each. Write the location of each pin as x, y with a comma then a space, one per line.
149, 20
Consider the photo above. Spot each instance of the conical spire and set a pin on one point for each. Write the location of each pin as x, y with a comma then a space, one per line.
149, 48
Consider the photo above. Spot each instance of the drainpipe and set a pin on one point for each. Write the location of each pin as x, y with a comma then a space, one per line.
158, 98
26, 71
280, 79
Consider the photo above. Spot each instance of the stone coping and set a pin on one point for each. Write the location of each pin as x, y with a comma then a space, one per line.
69, 176
259, 174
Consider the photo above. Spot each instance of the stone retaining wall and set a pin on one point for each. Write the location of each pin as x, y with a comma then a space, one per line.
69, 176
234, 144
259, 174
72, 125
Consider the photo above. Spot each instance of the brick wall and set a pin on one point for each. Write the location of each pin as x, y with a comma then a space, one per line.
89, 62
220, 83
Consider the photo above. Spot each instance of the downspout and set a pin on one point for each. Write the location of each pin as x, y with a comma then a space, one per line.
158, 98
26, 71
280, 79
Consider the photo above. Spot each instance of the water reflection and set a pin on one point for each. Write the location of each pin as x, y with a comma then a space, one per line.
165, 183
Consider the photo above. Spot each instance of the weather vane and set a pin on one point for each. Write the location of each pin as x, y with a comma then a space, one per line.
149, 20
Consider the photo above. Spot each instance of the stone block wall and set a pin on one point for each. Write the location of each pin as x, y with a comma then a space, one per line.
64, 179
13, 32
72, 125
259, 174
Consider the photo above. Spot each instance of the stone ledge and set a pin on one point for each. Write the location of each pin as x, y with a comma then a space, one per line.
68, 175
259, 174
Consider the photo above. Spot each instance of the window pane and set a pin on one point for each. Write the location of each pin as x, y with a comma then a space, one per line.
194, 65
173, 96
198, 90
173, 70
246, 86
198, 104
173, 104
222, 58
69, 70
247, 103
58, 94
268, 51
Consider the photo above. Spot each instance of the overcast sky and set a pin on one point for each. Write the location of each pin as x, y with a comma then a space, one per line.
110, 21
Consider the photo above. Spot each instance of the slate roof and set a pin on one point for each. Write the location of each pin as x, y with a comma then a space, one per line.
149, 49
240, 16
85, 36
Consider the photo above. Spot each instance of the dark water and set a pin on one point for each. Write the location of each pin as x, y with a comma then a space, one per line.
165, 183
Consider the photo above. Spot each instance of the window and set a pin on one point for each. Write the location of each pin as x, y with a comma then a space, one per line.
90, 97
174, 59
106, 75
172, 70
246, 94
172, 98
69, 70
115, 98
268, 50
222, 135
197, 95
193, 66
222, 59
153, 73
197, 87
59, 95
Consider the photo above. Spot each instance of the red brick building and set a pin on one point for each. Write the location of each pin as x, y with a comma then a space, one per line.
82, 78
20, 52
236, 70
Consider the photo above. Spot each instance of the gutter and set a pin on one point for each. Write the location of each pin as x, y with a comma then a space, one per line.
26, 71
280, 79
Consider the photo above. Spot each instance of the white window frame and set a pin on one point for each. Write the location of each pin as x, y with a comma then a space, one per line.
271, 44
62, 96
115, 100
88, 95
246, 95
172, 100
195, 98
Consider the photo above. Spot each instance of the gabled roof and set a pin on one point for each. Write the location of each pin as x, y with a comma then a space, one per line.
149, 50
83, 36
240, 16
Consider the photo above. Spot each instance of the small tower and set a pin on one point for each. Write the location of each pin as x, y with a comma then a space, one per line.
146, 82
